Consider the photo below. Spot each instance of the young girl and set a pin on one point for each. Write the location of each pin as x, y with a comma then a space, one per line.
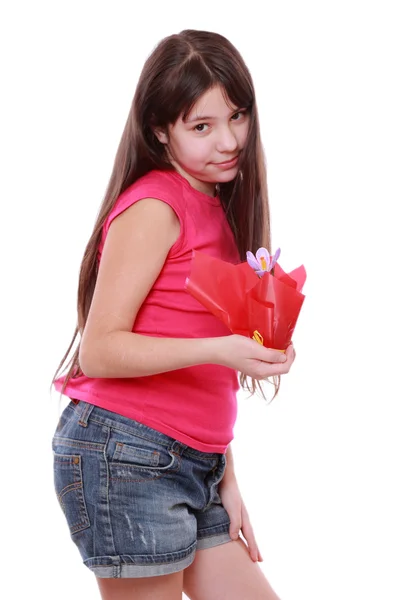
143, 468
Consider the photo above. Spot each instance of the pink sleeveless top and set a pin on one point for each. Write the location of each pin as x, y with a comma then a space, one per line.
196, 405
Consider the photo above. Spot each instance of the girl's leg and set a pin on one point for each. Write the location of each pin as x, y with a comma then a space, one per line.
162, 587
226, 572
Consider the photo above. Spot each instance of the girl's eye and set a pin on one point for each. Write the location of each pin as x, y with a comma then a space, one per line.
238, 115
200, 127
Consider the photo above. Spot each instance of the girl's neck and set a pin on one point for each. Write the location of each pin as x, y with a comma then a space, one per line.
208, 188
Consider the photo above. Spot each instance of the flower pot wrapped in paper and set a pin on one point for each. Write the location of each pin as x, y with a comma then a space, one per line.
255, 298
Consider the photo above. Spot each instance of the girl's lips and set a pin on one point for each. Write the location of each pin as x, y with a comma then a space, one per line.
228, 164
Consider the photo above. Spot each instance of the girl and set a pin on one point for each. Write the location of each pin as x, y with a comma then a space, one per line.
143, 468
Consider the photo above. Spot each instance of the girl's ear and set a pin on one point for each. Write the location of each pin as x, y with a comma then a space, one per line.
161, 135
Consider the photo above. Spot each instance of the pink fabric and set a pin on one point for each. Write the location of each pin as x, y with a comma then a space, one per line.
196, 405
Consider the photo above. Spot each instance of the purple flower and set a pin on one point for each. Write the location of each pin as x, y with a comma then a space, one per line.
262, 262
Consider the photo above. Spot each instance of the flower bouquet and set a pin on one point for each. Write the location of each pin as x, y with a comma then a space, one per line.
255, 298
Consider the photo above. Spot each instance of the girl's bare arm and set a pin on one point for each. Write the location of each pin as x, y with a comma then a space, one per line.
135, 250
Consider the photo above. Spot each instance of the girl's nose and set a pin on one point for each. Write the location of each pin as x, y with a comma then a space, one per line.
227, 141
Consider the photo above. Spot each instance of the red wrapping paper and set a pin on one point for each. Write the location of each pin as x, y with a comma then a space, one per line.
246, 303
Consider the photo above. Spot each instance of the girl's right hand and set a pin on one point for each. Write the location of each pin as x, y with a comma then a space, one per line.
249, 357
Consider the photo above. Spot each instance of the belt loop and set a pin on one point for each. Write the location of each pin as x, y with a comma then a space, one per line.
85, 414
178, 447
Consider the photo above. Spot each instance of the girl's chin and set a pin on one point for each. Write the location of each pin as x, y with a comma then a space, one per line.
210, 177
226, 176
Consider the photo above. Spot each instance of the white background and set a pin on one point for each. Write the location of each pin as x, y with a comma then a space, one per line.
318, 468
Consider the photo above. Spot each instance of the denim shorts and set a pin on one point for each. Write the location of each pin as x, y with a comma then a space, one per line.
137, 502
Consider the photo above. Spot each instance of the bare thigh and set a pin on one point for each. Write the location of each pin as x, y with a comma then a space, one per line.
162, 587
226, 572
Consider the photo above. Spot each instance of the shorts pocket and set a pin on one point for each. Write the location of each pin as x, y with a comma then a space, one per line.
137, 459
69, 487
142, 457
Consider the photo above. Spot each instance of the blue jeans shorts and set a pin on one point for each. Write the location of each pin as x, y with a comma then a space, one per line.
137, 502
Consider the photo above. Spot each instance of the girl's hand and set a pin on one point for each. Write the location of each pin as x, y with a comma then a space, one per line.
233, 503
247, 356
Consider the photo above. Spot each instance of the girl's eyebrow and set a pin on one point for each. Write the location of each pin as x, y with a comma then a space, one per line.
194, 119
199, 119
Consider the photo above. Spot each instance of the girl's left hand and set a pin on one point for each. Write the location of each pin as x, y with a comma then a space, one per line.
239, 517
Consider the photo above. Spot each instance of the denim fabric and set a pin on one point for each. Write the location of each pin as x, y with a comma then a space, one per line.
137, 502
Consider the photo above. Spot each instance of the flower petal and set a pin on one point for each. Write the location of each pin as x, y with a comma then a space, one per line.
263, 258
252, 261
262, 252
275, 258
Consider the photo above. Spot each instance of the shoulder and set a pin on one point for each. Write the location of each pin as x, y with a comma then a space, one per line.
160, 185
153, 184
153, 187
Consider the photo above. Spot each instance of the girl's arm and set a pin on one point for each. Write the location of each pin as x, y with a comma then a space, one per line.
135, 250
234, 505
134, 253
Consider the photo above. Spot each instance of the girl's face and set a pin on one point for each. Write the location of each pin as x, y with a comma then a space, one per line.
205, 148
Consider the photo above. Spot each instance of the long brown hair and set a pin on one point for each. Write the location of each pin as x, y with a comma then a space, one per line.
181, 68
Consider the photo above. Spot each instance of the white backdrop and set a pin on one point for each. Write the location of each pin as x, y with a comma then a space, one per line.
318, 467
